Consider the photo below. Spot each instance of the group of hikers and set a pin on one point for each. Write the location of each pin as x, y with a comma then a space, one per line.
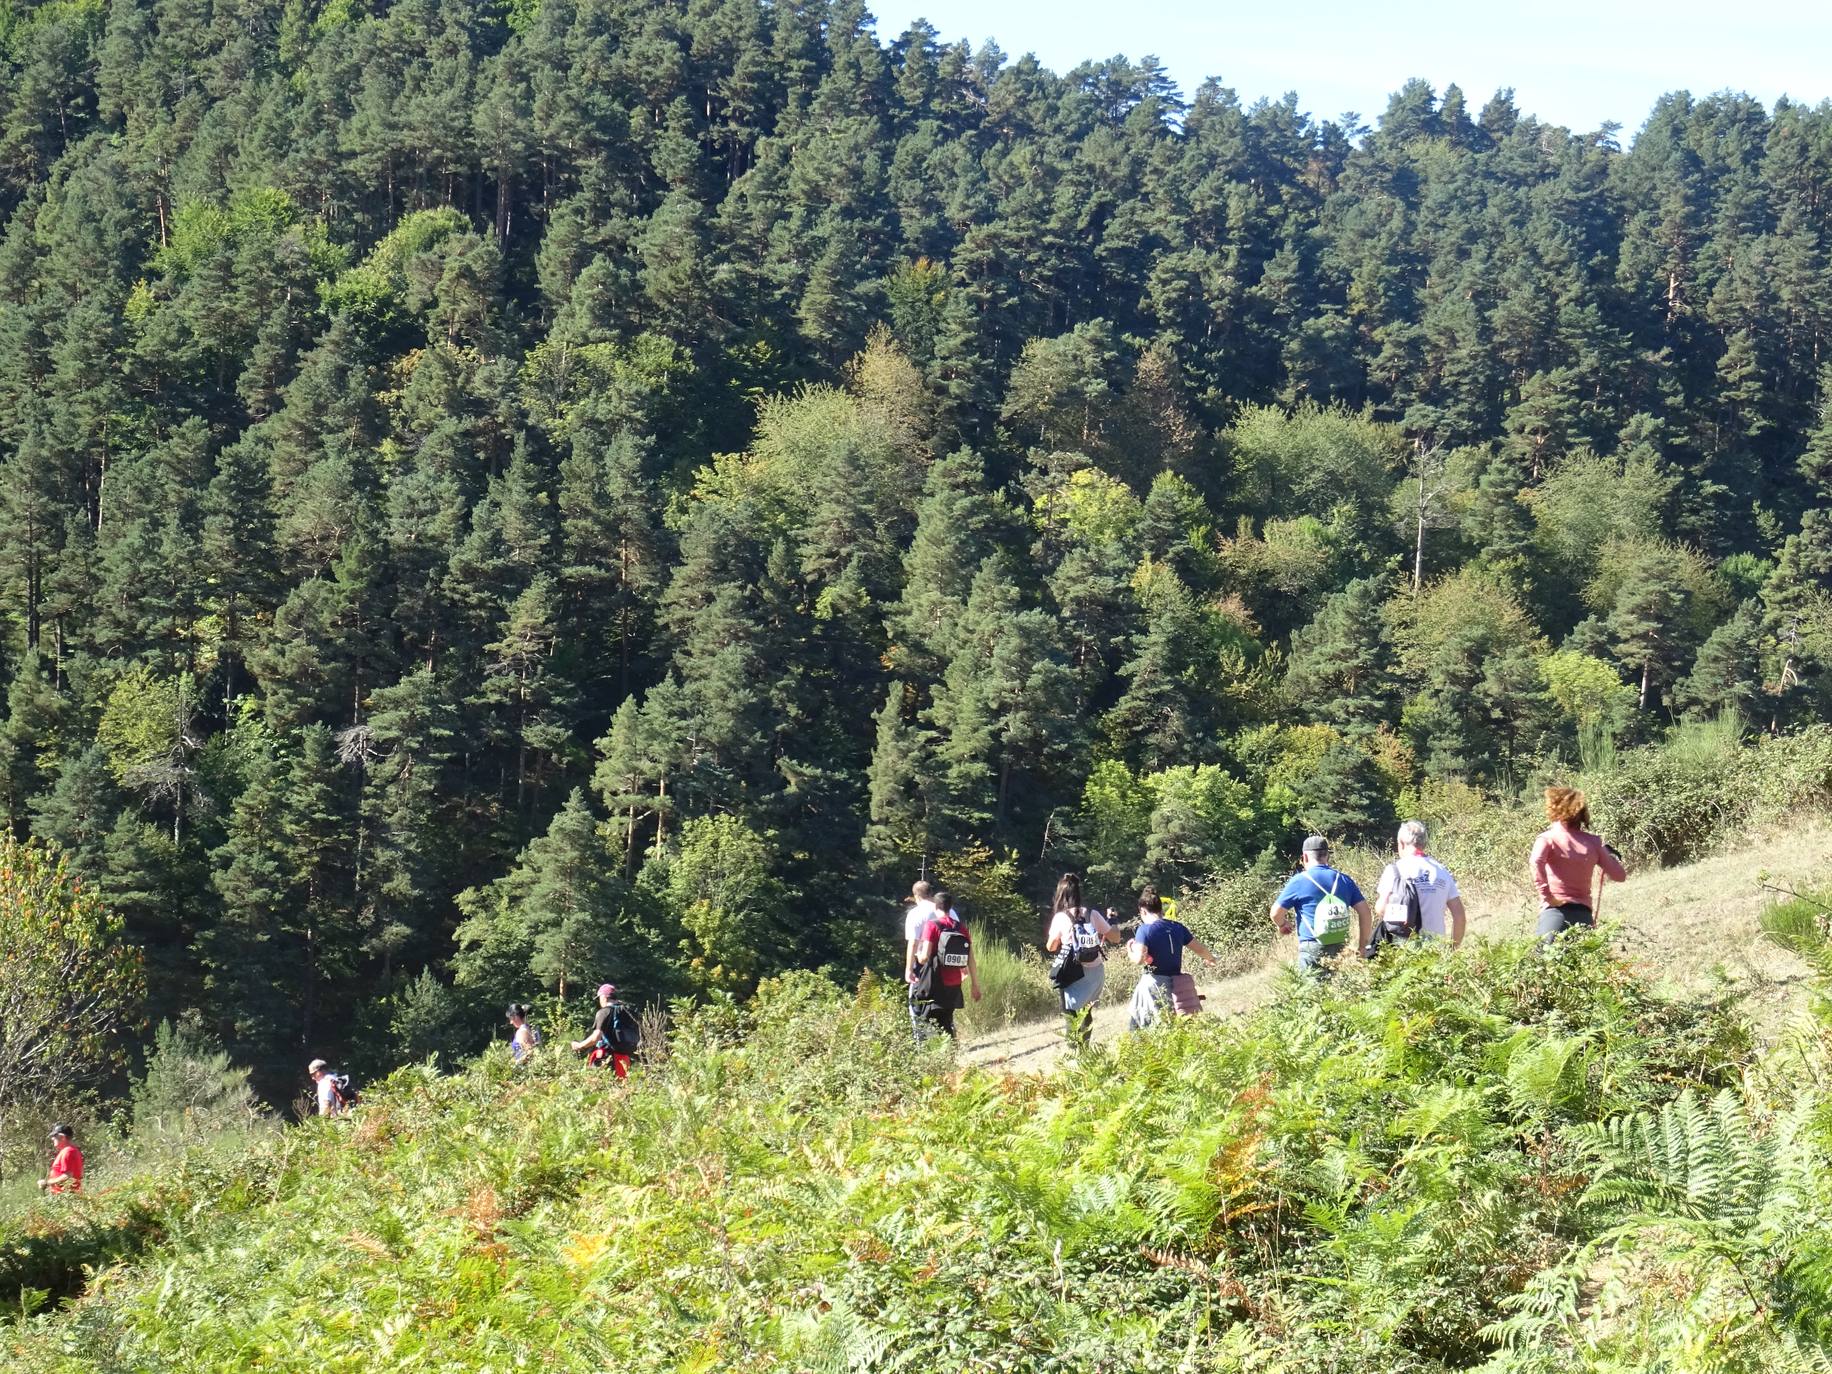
614, 1038
1417, 898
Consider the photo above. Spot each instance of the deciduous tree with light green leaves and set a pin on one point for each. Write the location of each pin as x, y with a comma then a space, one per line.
68, 984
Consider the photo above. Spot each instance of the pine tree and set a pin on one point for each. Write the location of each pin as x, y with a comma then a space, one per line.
1727, 674
611, 571
238, 546
712, 610
79, 811
408, 803
555, 919
901, 781
316, 824
35, 717
1339, 671
527, 684
71, 591
31, 496
255, 969
1003, 713
1166, 714
957, 523
1645, 624
1816, 460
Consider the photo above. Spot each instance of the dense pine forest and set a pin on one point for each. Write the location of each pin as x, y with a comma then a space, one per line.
497, 495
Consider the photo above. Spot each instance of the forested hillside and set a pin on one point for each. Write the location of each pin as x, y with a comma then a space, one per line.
500, 494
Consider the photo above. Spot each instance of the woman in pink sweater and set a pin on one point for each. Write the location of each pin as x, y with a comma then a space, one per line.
1565, 859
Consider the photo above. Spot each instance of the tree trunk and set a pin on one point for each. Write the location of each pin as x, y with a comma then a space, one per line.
1418, 548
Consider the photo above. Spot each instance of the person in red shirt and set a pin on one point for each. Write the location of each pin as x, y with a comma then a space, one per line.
1565, 861
945, 939
66, 1174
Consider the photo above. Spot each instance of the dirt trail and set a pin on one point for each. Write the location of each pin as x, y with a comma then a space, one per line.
1693, 928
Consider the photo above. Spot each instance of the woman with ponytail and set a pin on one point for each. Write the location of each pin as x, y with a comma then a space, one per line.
1075, 937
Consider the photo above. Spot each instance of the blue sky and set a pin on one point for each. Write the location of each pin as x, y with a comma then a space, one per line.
1570, 63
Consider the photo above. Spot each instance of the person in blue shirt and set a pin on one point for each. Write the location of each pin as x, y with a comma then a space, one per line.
1157, 947
1295, 908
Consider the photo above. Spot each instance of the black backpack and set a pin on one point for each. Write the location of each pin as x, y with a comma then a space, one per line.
1407, 895
1387, 930
953, 949
626, 1030
347, 1096
622, 1033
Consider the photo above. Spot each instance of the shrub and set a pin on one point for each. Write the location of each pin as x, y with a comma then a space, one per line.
1014, 987
1670, 803
1357, 1178
1227, 911
190, 1089
68, 981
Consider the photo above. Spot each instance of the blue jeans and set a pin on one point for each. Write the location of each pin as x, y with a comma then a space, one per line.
1315, 957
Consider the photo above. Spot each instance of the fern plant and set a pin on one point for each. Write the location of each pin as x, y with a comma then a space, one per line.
1731, 1207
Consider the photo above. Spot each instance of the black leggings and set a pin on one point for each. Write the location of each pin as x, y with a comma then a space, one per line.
1554, 921
928, 1017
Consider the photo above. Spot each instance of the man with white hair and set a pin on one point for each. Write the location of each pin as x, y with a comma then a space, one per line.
1417, 894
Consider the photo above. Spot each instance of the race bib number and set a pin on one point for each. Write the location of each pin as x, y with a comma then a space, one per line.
1330, 922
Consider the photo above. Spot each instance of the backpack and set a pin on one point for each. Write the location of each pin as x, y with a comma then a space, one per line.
1329, 922
626, 1031
942, 975
1085, 939
347, 1096
622, 1034
1406, 898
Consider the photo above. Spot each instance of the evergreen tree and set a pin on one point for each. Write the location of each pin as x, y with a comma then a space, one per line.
957, 522
1340, 663
408, 802
1727, 674
901, 781
611, 573
1003, 712
35, 716
78, 813
555, 920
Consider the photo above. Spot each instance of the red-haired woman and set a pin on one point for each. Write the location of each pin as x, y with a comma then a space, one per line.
1566, 858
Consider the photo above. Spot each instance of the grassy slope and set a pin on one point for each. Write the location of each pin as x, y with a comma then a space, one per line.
1352, 1179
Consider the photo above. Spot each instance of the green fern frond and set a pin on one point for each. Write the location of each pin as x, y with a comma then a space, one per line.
1539, 1071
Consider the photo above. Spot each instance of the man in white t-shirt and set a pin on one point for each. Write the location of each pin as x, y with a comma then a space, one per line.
921, 909
330, 1097
1440, 903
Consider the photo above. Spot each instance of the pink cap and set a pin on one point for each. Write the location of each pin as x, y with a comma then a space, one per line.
607, 989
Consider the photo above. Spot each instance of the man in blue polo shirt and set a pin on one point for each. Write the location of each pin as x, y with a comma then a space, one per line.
1318, 904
